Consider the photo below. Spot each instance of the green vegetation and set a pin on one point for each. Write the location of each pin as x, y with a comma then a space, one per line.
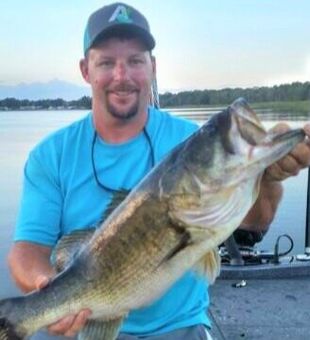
279, 93
301, 106
83, 103
293, 97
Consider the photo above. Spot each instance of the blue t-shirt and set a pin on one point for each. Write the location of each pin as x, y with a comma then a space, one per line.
60, 195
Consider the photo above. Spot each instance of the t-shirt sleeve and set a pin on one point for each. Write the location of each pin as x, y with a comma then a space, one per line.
41, 201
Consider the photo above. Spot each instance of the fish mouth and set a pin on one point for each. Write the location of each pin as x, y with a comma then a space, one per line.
248, 124
287, 135
260, 156
254, 139
251, 148
275, 145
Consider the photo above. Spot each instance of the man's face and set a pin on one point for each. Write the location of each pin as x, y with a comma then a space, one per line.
120, 73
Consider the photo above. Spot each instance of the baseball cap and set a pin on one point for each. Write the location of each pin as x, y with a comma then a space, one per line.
115, 19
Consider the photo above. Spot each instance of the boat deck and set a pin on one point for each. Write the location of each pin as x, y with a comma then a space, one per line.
262, 309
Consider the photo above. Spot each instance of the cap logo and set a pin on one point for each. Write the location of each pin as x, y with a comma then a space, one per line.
120, 15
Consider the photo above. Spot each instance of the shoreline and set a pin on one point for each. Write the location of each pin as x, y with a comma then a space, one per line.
294, 107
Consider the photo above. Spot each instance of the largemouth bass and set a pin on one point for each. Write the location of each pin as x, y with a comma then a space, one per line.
171, 222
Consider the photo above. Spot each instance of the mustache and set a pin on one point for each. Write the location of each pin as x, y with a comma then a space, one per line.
122, 87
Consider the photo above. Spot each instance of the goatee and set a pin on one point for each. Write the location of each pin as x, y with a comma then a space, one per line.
124, 115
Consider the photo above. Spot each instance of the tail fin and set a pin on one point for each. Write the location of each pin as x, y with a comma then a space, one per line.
7, 331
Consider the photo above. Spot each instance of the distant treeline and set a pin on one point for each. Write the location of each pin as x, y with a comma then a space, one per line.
288, 92
45, 104
279, 93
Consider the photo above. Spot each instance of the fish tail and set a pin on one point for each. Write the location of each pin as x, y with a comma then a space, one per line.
7, 330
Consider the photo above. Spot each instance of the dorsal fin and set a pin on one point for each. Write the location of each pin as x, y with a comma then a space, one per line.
117, 198
68, 245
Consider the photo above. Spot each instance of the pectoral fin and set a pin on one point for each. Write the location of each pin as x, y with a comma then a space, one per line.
98, 329
209, 265
68, 246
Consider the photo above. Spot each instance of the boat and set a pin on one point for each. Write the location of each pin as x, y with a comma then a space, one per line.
260, 294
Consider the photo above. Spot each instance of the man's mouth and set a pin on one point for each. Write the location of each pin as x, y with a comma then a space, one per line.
123, 93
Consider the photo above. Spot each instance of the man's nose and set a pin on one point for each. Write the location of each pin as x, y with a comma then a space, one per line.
121, 71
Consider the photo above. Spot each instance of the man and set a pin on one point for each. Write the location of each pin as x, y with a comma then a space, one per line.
71, 176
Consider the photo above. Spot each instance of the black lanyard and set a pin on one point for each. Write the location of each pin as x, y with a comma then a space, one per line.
99, 183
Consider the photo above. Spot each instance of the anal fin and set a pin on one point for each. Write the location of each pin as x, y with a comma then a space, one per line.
100, 330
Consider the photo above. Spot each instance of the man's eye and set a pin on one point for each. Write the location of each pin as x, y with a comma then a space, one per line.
136, 61
106, 63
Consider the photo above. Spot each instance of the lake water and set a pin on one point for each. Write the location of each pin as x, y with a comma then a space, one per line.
20, 131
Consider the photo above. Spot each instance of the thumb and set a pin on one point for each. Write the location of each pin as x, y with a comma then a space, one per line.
307, 129
41, 281
280, 128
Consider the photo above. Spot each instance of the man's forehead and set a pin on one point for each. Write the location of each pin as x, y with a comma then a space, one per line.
120, 46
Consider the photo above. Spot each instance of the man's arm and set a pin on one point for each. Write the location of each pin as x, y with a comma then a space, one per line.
30, 267
263, 211
28, 262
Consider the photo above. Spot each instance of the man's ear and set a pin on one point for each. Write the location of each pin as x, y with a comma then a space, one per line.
84, 69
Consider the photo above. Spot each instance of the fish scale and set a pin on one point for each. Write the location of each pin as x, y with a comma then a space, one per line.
143, 251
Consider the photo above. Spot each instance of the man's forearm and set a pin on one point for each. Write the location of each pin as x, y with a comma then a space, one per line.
263, 211
27, 263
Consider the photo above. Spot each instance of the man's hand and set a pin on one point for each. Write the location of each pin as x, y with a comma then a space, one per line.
291, 164
263, 211
71, 324
30, 267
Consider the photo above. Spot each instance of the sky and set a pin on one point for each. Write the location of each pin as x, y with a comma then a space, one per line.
200, 44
